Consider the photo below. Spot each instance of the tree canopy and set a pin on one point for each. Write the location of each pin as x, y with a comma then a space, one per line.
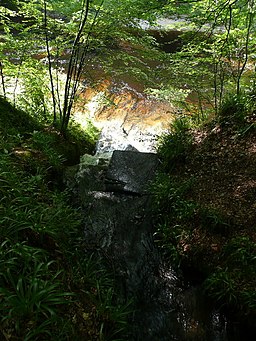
39, 36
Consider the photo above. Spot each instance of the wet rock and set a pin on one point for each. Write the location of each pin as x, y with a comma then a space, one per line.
130, 171
131, 148
129, 118
91, 173
115, 137
88, 175
69, 176
118, 227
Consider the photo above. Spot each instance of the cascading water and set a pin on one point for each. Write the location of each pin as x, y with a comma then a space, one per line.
119, 219
120, 225
125, 117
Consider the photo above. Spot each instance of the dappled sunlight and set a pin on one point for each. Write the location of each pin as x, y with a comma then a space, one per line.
126, 118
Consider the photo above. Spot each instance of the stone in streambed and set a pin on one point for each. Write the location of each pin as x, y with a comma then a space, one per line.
130, 171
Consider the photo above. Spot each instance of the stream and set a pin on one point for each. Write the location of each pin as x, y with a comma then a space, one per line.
118, 226
113, 188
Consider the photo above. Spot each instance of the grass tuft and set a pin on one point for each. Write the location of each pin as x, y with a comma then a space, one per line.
45, 290
174, 146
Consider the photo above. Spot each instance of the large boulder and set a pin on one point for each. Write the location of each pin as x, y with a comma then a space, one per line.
130, 171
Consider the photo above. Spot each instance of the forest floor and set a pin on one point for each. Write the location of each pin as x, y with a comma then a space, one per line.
49, 288
216, 241
223, 165
214, 229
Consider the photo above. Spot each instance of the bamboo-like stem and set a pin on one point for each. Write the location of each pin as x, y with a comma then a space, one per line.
49, 63
2, 79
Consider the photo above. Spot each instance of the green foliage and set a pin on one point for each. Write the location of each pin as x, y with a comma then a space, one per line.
26, 204
233, 283
41, 244
222, 287
30, 289
30, 297
173, 95
248, 299
218, 50
91, 274
63, 26
213, 61
34, 98
210, 65
168, 237
213, 221
85, 138
115, 313
169, 196
24, 76
175, 145
241, 252
15, 122
45, 142
174, 213
235, 108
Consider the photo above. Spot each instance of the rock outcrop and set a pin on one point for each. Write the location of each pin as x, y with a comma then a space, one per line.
116, 200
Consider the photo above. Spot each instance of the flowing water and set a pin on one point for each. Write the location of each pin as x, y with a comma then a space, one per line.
128, 119
120, 227
167, 307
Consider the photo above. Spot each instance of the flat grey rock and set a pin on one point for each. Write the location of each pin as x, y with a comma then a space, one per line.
130, 171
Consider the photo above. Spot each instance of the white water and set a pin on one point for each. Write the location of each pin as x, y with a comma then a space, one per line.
133, 124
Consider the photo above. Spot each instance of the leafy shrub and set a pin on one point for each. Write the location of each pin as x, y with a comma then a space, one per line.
45, 142
30, 288
248, 297
91, 273
170, 197
174, 146
174, 213
41, 246
233, 284
168, 237
222, 287
213, 221
234, 108
34, 98
13, 121
241, 252
85, 138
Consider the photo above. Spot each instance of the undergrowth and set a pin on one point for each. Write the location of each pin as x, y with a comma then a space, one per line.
235, 108
175, 145
233, 282
49, 288
196, 235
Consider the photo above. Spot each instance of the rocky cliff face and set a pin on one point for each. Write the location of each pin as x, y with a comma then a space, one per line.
125, 116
